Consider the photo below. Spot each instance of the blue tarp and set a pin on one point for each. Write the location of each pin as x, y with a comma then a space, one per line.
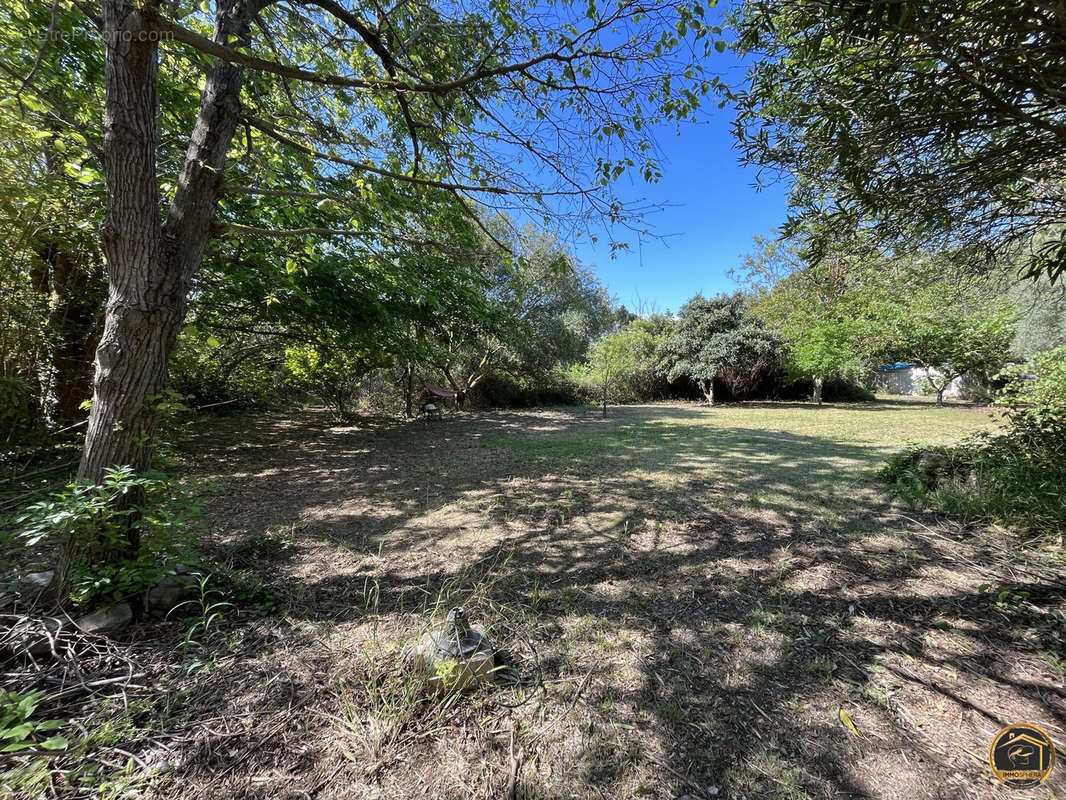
894, 367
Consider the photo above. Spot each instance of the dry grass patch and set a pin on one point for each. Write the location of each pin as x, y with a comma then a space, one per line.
706, 589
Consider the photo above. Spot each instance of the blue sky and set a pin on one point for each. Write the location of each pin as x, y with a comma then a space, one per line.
712, 211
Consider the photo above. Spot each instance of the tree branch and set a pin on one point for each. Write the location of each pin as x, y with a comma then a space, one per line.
205, 45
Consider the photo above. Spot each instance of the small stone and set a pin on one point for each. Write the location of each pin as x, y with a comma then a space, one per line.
712, 790
168, 593
106, 621
37, 581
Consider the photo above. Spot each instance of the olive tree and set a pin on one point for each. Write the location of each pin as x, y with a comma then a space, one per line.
948, 344
719, 339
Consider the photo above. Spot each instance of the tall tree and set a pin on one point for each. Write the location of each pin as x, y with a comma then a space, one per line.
719, 340
947, 342
826, 310
358, 119
545, 309
936, 125
414, 94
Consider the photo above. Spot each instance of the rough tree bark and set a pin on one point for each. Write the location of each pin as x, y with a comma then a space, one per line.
150, 262
818, 381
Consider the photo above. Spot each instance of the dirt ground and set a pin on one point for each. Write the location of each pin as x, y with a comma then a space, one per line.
724, 603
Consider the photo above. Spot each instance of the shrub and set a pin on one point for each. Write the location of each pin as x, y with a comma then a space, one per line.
1013, 478
834, 390
207, 372
332, 375
100, 518
1035, 393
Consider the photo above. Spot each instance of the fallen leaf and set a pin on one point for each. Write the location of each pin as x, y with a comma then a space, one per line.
848, 723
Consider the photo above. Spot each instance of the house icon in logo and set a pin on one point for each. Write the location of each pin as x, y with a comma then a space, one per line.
1024, 751
1022, 755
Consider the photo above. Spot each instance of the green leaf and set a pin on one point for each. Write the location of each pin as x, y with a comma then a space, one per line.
18, 732
844, 718
55, 743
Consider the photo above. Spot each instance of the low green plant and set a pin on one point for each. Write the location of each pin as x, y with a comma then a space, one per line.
209, 610
1014, 477
18, 732
102, 517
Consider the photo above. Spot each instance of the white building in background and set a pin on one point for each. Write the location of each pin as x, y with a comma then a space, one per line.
910, 379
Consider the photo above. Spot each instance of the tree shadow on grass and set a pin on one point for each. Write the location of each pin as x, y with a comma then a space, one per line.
726, 591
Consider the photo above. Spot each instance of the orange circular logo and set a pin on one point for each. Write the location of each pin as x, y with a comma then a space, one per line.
1021, 755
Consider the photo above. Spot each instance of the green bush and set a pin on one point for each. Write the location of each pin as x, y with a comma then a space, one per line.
1013, 478
1035, 393
207, 371
101, 517
333, 376
834, 390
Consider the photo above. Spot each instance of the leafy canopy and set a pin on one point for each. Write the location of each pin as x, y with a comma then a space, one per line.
934, 125
719, 339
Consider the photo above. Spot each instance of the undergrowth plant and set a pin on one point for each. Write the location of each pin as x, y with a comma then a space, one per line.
101, 517
1014, 477
20, 733
208, 611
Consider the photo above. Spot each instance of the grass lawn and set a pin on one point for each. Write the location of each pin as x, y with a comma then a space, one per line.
715, 596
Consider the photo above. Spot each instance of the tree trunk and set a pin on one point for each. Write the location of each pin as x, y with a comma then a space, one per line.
78, 294
131, 357
409, 390
818, 390
708, 391
150, 264
944, 384
460, 392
